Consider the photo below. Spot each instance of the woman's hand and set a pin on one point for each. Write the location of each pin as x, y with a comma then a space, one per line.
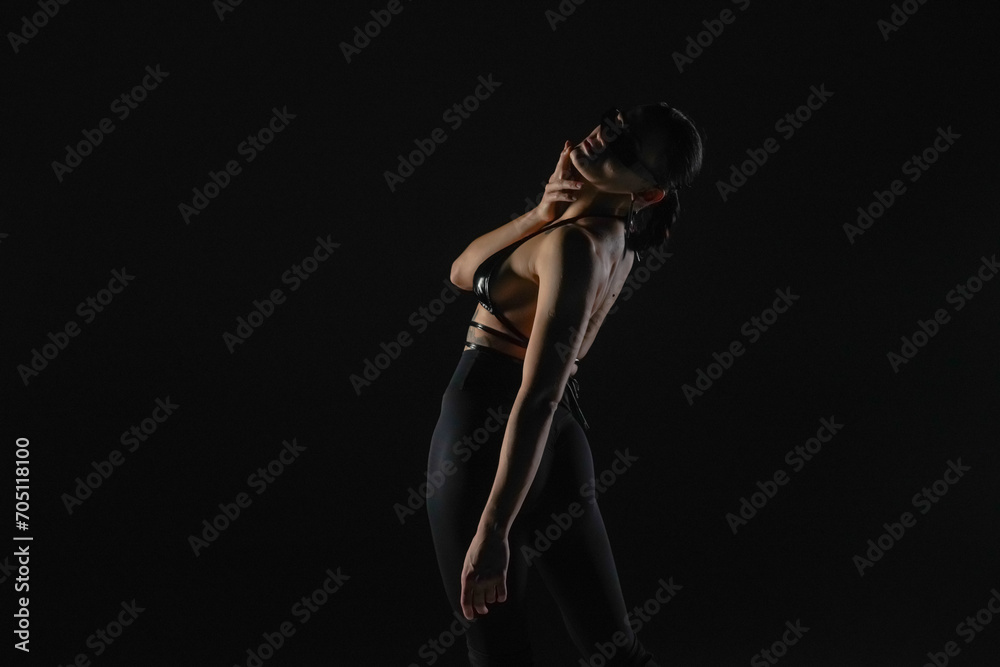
484, 576
561, 189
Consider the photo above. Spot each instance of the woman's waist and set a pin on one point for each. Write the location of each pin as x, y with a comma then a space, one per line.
483, 369
494, 330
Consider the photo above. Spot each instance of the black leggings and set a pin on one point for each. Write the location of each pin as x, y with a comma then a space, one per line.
577, 566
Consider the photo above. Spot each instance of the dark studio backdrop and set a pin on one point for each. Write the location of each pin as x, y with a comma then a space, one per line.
152, 413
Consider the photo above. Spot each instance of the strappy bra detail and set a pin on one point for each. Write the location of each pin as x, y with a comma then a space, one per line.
520, 342
484, 274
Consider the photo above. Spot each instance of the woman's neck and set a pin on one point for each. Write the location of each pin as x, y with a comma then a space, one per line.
593, 202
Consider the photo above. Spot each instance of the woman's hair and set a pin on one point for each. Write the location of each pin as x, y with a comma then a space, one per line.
676, 166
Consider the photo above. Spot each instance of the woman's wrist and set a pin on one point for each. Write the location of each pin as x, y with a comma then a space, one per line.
533, 220
490, 527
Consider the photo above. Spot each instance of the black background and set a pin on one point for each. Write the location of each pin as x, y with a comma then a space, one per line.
324, 176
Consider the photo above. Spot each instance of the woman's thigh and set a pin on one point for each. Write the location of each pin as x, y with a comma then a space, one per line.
568, 545
454, 510
559, 531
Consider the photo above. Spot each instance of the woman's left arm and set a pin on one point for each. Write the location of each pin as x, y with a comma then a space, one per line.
568, 268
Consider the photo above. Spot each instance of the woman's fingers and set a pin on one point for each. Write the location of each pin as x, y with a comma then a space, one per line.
479, 599
562, 190
473, 598
563, 184
562, 164
466, 599
476, 594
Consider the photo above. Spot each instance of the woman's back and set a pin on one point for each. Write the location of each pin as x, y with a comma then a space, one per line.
512, 284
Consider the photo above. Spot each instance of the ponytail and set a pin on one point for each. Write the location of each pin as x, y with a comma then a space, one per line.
677, 165
650, 227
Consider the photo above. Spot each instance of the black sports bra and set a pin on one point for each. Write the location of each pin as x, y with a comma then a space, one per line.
484, 275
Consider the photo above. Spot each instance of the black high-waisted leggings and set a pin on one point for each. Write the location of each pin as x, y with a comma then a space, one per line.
577, 567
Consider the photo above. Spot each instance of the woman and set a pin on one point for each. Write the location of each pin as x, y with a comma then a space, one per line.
544, 290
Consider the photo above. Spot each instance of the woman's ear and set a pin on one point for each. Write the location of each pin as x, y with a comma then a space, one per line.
649, 197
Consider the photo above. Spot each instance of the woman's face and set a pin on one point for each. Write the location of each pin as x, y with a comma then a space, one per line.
594, 157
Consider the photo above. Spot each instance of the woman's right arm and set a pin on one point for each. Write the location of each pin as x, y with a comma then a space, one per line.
558, 192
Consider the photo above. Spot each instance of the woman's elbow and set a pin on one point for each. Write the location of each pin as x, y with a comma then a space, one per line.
460, 275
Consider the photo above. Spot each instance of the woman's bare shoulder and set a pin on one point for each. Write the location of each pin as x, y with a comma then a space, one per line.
604, 232
591, 240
